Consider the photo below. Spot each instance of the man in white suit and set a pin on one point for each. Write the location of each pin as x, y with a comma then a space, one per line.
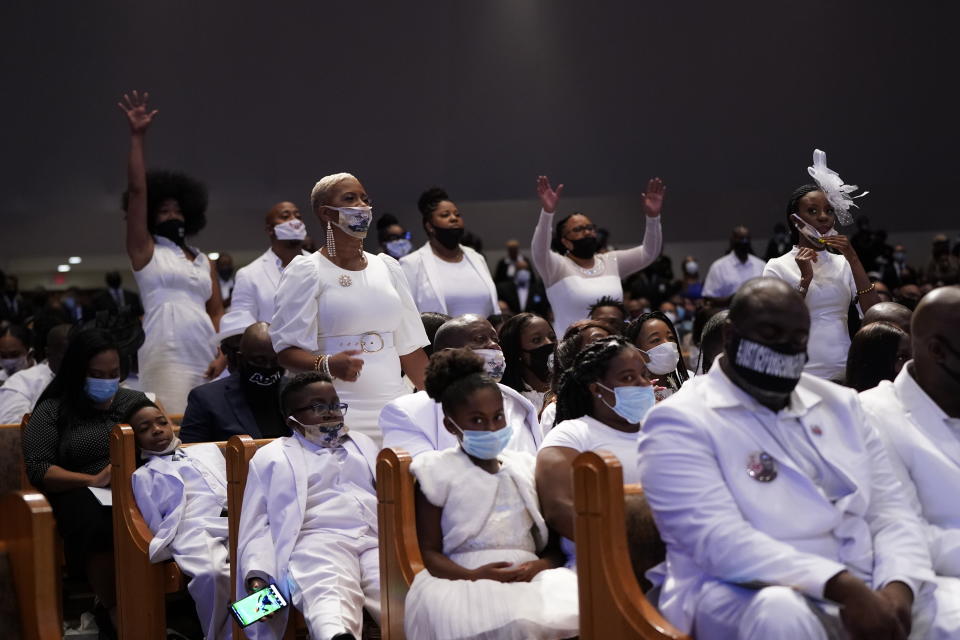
414, 422
918, 417
776, 499
256, 284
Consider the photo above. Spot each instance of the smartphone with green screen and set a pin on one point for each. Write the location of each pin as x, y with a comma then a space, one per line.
257, 605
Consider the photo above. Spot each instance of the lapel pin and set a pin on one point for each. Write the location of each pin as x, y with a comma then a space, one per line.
817, 431
761, 466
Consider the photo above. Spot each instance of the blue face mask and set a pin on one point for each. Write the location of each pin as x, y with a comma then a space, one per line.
101, 389
485, 445
398, 248
631, 403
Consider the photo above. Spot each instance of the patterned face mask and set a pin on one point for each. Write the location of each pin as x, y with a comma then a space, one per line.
329, 434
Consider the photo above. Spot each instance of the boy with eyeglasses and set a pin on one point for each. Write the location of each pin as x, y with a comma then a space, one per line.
309, 517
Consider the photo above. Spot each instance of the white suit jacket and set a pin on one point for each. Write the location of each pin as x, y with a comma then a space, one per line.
421, 267
925, 454
256, 285
160, 494
414, 422
720, 524
274, 503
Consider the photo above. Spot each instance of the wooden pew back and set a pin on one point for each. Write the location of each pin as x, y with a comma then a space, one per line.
400, 558
13, 473
141, 584
27, 537
612, 605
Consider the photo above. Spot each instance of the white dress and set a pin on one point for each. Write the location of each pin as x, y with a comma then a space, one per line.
179, 335
571, 289
828, 300
313, 303
488, 518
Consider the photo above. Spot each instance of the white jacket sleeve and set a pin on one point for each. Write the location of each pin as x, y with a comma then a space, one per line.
696, 513
160, 499
244, 295
255, 545
401, 432
295, 320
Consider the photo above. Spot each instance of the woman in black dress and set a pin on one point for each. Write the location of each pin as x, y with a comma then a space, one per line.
66, 450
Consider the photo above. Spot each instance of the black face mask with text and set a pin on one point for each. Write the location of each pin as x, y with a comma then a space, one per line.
260, 379
773, 368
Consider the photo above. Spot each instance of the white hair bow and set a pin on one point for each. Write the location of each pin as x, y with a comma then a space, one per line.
838, 194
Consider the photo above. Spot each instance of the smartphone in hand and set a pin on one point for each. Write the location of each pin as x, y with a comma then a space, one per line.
257, 605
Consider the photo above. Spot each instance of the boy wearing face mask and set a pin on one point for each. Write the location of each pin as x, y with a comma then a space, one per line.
309, 518
256, 284
414, 422
182, 494
246, 402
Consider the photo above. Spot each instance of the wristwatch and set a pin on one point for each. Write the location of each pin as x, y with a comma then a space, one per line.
802, 288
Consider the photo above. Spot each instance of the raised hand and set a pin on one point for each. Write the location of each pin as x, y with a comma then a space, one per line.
653, 198
549, 197
138, 113
805, 258
345, 366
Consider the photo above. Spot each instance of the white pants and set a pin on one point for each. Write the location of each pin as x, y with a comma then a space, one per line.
202, 554
334, 578
729, 612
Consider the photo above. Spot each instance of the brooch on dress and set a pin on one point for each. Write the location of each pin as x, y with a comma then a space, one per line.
345, 281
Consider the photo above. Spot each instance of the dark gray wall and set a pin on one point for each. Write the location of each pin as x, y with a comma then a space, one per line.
726, 101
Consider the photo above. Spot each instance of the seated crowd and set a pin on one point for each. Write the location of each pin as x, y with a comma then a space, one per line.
796, 431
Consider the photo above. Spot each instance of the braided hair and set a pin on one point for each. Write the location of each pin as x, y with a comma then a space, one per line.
571, 345
793, 206
574, 397
678, 376
453, 375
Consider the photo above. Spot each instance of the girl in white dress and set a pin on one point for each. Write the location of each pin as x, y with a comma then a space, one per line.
825, 269
179, 287
446, 276
349, 313
492, 565
603, 398
575, 275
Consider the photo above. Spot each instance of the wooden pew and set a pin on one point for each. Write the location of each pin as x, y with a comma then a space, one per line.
142, 585
12, 470
612, 605
239, 451
400, 559
27, 537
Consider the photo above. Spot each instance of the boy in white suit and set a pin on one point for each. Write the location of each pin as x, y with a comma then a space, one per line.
774, 496
309, 517
182, 494
414, 422
918, 417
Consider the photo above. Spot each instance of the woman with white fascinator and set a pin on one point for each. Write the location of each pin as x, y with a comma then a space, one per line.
349, 313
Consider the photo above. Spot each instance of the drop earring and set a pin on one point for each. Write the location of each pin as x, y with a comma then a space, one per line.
331, 242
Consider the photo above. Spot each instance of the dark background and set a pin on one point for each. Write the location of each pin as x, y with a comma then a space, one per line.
725, 101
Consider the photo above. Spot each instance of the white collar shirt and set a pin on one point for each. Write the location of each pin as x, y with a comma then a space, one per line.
726, 274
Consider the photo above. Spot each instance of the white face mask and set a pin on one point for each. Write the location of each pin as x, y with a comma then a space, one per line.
493, 362
354, 221
12, 365
691, 268
663, 358
290, 230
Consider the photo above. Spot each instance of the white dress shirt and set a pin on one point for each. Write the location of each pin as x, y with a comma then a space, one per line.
726, 274
21, 391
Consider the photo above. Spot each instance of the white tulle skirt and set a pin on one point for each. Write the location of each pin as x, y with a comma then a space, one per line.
546, 607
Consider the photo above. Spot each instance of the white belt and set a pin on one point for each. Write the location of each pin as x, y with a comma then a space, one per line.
369, 342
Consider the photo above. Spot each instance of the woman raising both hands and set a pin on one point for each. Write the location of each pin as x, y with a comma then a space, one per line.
575, 275
180, 289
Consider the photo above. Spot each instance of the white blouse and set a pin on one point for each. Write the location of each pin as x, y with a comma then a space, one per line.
464, 290
828, 300
317, 299
572, 289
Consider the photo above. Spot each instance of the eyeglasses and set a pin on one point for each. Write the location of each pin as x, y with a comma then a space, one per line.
319, 408
397, 236
583, 228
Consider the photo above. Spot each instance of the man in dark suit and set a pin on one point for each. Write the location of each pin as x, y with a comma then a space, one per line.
115, 299
524, 291
246, 402
13, 307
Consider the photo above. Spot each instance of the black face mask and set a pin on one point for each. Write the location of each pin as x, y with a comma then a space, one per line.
774, 368
585, 247
540, 360
260, 379
448, 238
114, 283
225, 273
172, 230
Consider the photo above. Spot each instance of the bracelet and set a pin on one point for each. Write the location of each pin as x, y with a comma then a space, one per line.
326, 367
873, 285
802, 289
316, 362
